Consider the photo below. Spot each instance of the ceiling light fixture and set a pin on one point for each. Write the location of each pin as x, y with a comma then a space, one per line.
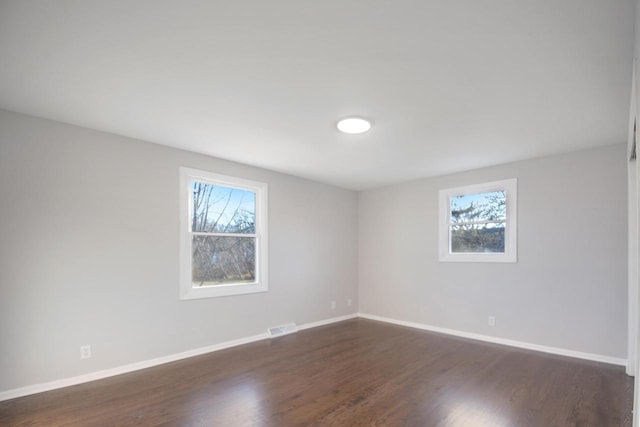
353, 125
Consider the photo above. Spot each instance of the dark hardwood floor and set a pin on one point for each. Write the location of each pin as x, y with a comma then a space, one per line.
354, 373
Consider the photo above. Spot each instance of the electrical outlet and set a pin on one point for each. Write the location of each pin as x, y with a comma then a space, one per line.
492, 321
349, 302
333, 305
85, 352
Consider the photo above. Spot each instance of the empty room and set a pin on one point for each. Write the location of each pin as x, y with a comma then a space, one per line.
291, 213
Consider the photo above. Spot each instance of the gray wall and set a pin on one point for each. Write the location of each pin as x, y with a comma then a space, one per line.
568, 288
89, 241
89, 254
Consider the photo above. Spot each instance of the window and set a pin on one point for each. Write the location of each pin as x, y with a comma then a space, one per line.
478, 222
223, 235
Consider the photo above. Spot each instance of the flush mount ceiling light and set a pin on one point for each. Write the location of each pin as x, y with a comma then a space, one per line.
353, 125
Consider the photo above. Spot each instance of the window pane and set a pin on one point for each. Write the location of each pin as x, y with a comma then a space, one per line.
219, 260
477, 238
219, 209
479, 207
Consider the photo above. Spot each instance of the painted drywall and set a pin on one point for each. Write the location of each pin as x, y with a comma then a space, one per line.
89, 253
632, 256
634, 175
632, 241
569, 287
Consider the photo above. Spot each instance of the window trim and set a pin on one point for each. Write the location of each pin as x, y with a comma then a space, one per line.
510, 186
261, 284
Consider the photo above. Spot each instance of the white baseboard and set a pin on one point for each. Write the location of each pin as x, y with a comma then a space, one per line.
327, 321
65, 382
52, 385
502, 341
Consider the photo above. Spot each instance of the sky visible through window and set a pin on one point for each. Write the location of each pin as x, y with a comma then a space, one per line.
222, 216
489, 206
222, 209
477, 222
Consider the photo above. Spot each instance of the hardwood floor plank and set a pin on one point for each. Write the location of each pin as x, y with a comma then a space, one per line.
354, 373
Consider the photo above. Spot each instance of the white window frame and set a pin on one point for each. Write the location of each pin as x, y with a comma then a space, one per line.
261, 283
510, 254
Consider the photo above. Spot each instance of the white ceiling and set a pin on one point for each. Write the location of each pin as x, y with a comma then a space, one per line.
451, 85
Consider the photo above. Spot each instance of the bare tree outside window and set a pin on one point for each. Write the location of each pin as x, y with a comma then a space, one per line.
478, 222
223, 235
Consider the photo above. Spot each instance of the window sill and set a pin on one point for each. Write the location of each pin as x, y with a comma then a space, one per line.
222, 290
478, 257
